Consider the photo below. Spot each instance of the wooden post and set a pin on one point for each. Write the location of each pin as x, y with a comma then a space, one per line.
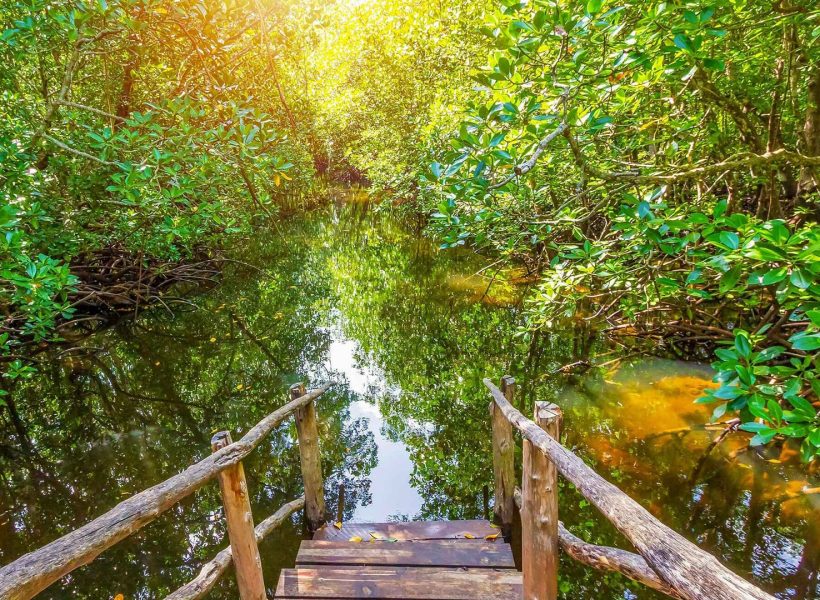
238, 515
308, 432
539, 512
503, 466
340, 505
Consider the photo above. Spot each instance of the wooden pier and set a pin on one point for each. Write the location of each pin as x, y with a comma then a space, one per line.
443, 560
451, 560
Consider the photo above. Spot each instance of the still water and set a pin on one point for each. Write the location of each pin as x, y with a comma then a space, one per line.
408, 332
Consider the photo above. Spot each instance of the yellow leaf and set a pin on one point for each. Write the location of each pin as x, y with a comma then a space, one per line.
285, 177
355, 538
469, 536
213, 339
119, 597
494, 526
240, 386
277, 180
492, 536
338, 524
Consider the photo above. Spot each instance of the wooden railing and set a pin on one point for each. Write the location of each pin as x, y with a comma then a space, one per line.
32, 573
666, 561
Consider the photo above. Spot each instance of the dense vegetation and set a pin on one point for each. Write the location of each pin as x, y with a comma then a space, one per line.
134, 135
655, 164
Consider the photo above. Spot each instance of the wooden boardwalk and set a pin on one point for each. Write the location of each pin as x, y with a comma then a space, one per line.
442, 560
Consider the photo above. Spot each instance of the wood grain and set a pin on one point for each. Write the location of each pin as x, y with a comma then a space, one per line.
539, 512
424, 553
693, 573
311, 460
399, 583
503, 462
239, 519
35, 571
412, 530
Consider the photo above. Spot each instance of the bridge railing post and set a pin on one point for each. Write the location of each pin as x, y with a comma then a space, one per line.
539, 512
308, 432
503, 461
239, 518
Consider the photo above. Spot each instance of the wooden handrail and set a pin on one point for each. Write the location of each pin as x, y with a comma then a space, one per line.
33, 572
693, 573
213, 570
607, 558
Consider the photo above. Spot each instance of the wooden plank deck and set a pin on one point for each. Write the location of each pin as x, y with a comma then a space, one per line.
430, 560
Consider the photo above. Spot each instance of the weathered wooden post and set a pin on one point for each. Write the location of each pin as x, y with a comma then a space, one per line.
308, 432
238, 515
539, 512
503, 457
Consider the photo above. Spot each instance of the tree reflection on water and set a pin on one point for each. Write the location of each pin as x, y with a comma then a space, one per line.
409, 332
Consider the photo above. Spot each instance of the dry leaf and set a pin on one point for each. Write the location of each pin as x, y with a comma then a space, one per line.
469, 536
338, 524
374, 535
491, 537
355, 538
494, 526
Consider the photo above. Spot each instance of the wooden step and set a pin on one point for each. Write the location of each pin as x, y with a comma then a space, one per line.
399, 583
418, 553
413, 530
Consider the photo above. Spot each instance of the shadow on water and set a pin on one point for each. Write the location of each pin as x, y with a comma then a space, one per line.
409, 332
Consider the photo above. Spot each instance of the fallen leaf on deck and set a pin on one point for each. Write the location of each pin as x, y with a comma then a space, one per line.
338, 524
374, 535
492, 536
469, 536
355, 538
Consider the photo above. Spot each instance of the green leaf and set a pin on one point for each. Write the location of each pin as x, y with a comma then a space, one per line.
744, 348
730, 278
729, 239
594, 6
754, 427
763, 437
805, 341
800, 279
682, 42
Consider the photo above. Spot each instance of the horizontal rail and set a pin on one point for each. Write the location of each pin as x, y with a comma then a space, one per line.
607, 558
33, 572
693, 573
213, 570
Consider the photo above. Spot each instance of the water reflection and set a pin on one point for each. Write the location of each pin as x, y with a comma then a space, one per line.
409, 333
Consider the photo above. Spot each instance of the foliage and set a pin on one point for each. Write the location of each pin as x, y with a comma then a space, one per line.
133, 127
659, 163
384, 75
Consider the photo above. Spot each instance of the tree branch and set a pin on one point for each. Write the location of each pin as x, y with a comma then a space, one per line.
68, 148
528, 164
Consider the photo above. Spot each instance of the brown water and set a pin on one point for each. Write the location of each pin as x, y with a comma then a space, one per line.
409, 332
